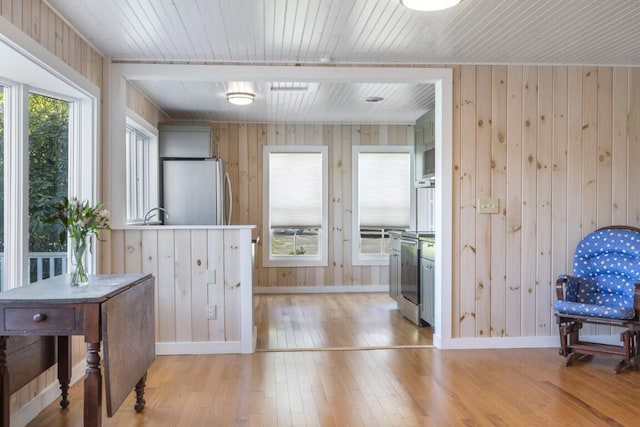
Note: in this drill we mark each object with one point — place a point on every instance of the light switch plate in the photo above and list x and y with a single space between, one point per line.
488 206
211 277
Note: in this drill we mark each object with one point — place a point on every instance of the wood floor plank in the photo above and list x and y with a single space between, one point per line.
375 387
369 386
317 321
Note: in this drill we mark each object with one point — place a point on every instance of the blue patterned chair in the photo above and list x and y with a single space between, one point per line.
604 290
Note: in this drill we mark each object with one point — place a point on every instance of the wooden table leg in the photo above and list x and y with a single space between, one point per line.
64 368
5 414
140 402
93 387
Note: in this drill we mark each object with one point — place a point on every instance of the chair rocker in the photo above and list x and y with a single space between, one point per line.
604 290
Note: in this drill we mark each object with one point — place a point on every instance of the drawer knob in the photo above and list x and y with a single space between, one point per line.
39 317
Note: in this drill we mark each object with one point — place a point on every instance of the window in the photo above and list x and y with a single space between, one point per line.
1 186
48 137
137 164
383 199
48 183
141 168
295 205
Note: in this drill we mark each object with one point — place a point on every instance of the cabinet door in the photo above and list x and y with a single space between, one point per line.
427 282
186 141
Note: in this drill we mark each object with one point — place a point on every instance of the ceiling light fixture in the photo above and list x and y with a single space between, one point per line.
429 5
241 98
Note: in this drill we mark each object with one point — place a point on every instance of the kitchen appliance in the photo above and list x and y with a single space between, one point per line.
193 191
417 277
410 296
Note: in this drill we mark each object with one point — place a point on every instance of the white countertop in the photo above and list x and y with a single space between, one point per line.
185 227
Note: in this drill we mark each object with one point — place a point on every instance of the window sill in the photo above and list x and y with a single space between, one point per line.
295 263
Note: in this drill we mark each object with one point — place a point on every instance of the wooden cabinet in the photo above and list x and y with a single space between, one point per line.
394 266
424 131
187 140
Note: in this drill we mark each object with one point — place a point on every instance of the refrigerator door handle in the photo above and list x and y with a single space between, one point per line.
227 180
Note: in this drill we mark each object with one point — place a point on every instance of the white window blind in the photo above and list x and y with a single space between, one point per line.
295 190
384 190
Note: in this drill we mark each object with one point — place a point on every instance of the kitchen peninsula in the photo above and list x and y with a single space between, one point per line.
204 291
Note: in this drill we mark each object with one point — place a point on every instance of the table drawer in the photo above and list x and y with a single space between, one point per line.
40 319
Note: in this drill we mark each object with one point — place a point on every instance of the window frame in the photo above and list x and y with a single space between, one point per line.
320 260
29 69
358 258
150 187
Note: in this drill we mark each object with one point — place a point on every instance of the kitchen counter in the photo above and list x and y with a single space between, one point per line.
204 298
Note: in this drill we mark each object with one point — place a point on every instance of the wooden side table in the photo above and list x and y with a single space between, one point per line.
115 309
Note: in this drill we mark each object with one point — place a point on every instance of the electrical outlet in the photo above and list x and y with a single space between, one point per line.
488 206
212 312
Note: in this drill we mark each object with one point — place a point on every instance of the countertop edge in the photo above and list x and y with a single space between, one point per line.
184 227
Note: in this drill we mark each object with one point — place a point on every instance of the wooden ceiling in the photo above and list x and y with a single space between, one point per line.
368 32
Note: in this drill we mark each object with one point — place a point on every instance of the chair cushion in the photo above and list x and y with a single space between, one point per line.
594 310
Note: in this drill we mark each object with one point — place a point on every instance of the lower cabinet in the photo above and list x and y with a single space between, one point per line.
427 283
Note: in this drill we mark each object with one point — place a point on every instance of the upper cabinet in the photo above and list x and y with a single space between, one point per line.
187 140
425 147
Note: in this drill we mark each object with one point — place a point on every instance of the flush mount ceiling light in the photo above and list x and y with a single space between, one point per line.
429 5
240 98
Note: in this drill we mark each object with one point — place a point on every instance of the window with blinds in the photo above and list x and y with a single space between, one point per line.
383 199
296 189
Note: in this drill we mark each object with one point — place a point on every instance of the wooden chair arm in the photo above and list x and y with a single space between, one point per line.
560 286
636 301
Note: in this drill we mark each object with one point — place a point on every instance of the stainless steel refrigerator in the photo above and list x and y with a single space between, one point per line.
194 192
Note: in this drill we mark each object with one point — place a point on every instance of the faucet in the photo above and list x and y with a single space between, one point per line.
149 214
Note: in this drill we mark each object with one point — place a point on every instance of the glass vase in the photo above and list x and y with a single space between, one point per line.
79 276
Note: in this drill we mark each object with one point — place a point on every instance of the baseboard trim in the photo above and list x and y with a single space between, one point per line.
519 342
499 343
46 397
181 348
319 289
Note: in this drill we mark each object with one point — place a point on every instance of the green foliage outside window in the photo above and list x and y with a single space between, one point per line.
48 169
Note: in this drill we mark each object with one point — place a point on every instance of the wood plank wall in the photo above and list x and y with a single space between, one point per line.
241 145
43 25
557 146
39 22
141 105
179 260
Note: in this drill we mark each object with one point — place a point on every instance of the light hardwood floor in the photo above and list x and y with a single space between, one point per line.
334 321
374 387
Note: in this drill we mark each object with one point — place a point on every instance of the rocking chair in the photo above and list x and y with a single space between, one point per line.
604 290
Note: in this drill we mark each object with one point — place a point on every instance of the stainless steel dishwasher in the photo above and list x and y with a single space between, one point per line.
410 301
